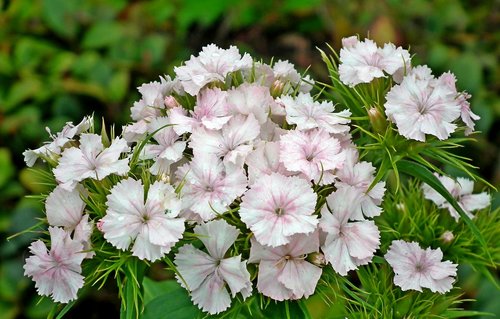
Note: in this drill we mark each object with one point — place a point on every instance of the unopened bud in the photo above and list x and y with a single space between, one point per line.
317 259
378 120
99 225
447 237
277 88
171 102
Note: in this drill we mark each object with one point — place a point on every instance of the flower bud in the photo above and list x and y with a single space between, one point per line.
447 237
171 102
378 120
317 259
277 88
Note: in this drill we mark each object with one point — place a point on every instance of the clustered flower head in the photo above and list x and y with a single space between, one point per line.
241 156
419 104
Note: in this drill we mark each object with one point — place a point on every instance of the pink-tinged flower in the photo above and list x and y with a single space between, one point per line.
65 209
265 160
416 268
209 187
212 65
68 132
287 79
135 132
169 148
360 175
233 142
91 160
362 61
209 275
153 98
284 272
271 132
277 207
311 153
466 114
253 99
151 224
308 114
420 107
210 111
57 273
461 190
348 244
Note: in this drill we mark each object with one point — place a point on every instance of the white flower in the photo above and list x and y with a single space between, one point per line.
360 175
311 153
461 190
422 106
213 64
308 114
57 273
208 275
151 224
277 207
265 160
91 160
347 244
68 132
284 272
233 142
416 268
169 148
210 111
65 209
253 99
209 187
362 61
153 98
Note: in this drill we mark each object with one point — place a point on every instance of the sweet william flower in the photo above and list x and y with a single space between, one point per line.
347 244
265 160
210 111
360 176
151 225
65 209
416 268
209 275
213 64
308 114
277 207
91 160
422 106
57 273
233 142
363 61
461 190
311 153
209 186
68 132
284 272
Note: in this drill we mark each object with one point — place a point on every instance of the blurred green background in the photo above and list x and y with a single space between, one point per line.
63 59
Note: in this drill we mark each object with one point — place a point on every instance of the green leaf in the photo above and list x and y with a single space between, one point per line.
172 301
6 166
102 34
423 174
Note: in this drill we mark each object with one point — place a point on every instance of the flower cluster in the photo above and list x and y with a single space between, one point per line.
419 103
239 155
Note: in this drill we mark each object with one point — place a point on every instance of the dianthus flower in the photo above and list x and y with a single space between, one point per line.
91 160
461 190
277 207
57 273
207 276
151 224
284 272
416 268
